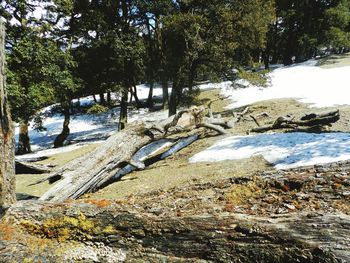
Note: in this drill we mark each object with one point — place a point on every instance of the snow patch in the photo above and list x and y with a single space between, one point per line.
286 150
306 82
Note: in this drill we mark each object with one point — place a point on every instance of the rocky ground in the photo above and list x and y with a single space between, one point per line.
298 215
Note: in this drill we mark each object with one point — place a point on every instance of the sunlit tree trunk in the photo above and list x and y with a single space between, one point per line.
7 144
62 137
23 146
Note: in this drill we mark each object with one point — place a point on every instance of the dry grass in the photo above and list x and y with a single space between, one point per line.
335 61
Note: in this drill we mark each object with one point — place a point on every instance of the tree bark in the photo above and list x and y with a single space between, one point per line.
150 96
7 144
99 166
62 137
23 139
123 119
174 98
165 87
109 98
102 99
286 216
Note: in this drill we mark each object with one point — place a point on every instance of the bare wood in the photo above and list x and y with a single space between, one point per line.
255 120
100 165
311 121
213 127
210 110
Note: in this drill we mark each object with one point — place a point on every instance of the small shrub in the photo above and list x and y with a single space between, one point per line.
97 109
255 78
189 97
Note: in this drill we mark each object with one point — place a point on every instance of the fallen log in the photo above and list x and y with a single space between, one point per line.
153 156
310 121
86 173
119 155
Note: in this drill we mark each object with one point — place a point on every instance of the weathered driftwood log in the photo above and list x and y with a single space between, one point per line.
152 153
30 168
116 156
86 173
311 120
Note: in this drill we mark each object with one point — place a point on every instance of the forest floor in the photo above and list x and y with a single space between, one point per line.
246 210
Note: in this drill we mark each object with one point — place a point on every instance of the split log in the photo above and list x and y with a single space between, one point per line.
311 121
89 171
154 156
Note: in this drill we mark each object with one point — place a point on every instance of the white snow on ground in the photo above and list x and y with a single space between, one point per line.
306 82
284 150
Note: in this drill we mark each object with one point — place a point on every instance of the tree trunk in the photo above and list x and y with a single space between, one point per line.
95 99
165 87
109 98
123 119
174 98
102 99
60 139
23 139
150 95
7 144
133 95
30 168
266 59
137 101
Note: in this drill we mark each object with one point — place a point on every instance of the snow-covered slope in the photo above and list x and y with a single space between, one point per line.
321 87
